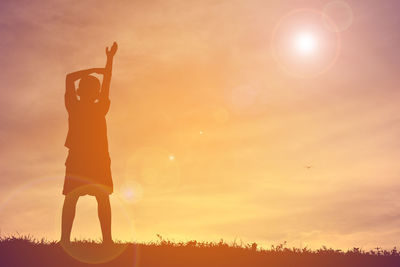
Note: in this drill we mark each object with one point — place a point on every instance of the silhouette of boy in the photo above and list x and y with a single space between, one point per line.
88 163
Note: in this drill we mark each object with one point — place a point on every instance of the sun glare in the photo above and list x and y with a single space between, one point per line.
305 43
303 46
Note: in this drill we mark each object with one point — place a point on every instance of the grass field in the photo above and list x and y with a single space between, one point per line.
25 251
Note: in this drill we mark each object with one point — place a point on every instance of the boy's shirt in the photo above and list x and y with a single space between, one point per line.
87 129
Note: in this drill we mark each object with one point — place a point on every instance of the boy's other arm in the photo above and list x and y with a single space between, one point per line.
74 76
105 89
70 93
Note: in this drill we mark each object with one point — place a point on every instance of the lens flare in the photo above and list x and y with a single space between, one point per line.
94 253
154 168
89 252
302 45
340 13
131 192
305 43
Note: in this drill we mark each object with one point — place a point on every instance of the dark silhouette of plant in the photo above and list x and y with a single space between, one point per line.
24 250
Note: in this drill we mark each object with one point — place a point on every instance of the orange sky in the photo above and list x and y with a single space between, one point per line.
209 131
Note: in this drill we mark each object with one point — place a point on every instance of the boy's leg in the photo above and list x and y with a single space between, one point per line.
68 215
104 212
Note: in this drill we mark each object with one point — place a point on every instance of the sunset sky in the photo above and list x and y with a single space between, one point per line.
255 121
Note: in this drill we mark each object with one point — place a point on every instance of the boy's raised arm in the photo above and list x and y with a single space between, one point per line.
105 90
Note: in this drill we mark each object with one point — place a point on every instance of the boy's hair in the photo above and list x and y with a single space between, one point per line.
89 85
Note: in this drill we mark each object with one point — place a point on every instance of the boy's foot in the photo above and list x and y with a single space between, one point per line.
64 242
108 242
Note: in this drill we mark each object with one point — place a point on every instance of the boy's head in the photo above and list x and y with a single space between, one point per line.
89 88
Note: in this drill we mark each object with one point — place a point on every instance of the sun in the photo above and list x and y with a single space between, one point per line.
305 43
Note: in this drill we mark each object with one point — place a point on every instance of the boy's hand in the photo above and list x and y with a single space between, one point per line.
98 70
111 52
